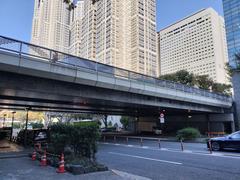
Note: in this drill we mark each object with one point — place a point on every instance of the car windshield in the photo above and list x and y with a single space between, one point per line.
235 135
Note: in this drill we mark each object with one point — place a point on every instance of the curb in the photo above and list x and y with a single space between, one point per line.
13 156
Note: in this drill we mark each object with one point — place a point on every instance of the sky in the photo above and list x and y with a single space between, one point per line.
16 15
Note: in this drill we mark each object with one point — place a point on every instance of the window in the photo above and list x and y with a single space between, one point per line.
236 136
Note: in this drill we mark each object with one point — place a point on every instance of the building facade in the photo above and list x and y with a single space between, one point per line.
232 20
51 26
76 28
197 44
88 34
121 33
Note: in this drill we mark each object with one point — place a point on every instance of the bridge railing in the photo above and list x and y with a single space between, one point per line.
26 49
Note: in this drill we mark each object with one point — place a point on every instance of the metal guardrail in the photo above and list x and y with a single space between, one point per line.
26 49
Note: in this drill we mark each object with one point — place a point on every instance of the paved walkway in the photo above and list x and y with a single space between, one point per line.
22 168
6 147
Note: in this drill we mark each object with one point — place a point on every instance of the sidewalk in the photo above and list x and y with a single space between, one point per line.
22 168
6 146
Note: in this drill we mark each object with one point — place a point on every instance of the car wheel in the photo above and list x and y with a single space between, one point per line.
216 146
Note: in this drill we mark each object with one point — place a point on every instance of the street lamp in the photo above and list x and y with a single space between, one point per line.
12 124
25 133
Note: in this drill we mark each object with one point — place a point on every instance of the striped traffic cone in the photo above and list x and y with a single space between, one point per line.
44 159
34 154
61 168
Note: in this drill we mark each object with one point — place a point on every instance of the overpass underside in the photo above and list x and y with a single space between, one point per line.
19 91
73 84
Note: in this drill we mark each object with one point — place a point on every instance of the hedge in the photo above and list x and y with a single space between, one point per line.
81 138
188 133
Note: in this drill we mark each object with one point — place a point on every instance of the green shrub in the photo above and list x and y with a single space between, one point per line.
37 125
188 133
80 137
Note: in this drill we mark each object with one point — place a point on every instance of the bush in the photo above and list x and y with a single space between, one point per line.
188 133
80 137
125 122
37 125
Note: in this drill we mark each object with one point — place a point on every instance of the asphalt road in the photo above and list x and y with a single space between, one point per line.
170 163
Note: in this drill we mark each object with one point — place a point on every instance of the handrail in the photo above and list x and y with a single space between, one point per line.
55 56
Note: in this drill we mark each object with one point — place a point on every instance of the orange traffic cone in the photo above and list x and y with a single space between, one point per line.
44 159
34 155
61 168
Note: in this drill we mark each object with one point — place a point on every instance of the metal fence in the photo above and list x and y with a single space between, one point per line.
26 49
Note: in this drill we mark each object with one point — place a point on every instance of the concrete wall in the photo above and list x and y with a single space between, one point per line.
203 122
236 89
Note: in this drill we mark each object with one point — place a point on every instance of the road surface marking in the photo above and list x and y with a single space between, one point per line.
126 175
141 157
179 151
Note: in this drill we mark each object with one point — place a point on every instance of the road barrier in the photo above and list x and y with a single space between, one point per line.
210 146
182 148
141 140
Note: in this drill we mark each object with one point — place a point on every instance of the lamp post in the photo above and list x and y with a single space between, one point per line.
25 133
12 124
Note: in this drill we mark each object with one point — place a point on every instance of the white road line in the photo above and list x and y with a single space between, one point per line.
179 151
141 157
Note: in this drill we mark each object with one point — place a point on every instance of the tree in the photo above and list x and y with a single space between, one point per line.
204 82
184 77
105 121
169 77
125 121
110 124
222 88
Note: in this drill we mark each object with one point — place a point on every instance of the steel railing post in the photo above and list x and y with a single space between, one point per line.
182 145
159 144
210 146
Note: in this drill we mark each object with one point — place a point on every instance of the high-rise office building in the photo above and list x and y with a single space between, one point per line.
114 32
197 44
232 21
88 34
76 28
121 34
51 25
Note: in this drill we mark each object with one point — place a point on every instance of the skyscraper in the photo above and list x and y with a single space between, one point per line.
232 21
76 28
118 33
121 33
51 25
88 34
197 44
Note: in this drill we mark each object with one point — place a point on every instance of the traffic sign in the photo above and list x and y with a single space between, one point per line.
161 115
162 120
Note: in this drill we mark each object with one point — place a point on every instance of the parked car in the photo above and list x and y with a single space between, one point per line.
231 141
